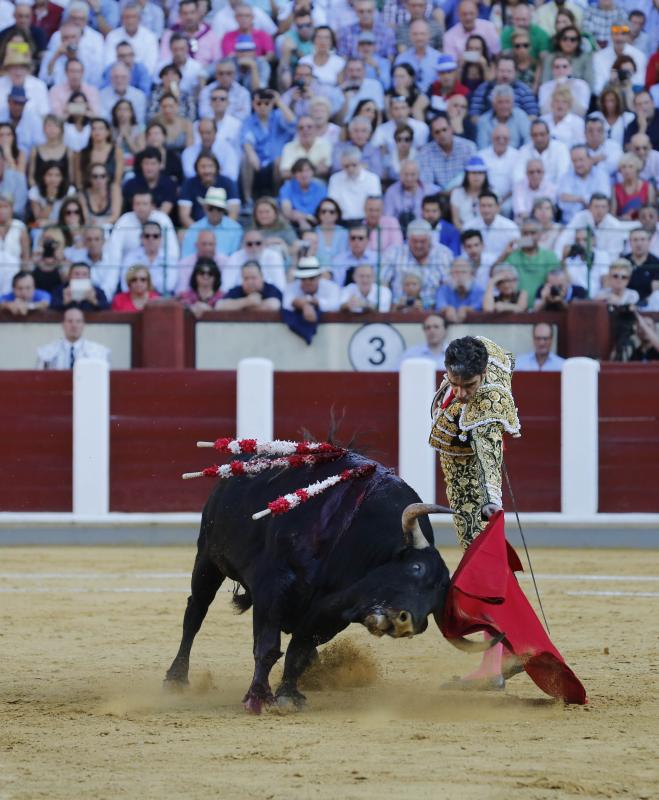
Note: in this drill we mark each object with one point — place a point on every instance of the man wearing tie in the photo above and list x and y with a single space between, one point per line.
63 353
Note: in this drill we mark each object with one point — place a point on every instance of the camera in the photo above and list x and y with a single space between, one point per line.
304 248
577 250
555 291
49 248
299 85
624 75
72 48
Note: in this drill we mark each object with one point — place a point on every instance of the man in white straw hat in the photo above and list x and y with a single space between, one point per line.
228 232
310 294
17 65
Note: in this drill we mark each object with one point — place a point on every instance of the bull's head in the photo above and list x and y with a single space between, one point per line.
413 586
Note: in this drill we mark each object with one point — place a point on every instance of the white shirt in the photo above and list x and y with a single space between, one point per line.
384 133
570 130
495 236
604 59
352 290
191 71
578 271
528 362
351 194
423 351
328 295
270 261
579 88
610 234
556 158
125 236
612 154
35 89
327 73
240 102
226 149
652 302
57 355
524 196
90 53
135 97
144 43
500 169
164 271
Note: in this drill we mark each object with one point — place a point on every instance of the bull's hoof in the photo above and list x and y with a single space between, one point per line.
511 666
175 683
495 684
289 703
254 702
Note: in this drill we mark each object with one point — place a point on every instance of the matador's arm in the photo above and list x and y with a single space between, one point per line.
487 442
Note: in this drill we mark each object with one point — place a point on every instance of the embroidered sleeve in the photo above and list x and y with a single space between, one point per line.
487 445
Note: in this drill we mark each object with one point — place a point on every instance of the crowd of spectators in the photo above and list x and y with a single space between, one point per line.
329 155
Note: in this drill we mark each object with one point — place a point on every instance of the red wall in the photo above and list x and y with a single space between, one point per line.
36 409
156 418
629 437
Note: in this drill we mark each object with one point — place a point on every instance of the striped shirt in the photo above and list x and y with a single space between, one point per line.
441 168
400 261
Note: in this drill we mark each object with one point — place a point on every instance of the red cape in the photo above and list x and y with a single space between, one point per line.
484 595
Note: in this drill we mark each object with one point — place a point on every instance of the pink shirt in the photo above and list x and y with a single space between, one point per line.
390 235
58 97
262 40
123 301
205 46
456 37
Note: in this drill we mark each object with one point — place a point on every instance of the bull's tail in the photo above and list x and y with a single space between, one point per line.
242 601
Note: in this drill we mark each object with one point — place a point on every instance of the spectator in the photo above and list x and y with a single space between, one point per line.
503 112
23 29
255 248
585 262
561 72
413 10
604 59
51 150
645 275
498 232
25 121
228 232
631 193
223 142
156 136
293 44
646 340
460 295
100 199
101 149
399 113
541 359
14 158
300 196
410 298
301 96
140 290
125 235
320 111
377 67
63 353
531 262
50 265
332 236
47 196
501 161
352 185
79 291
207 176
14 243
641 147
456 37
602 151
404 198
24 297
150 178
357 87
143 40
364 294
432 210
368 20
570 43
245 20
73 41
562 123
402 85
610 232
179 132
204 289
46 16
447 84
434 330
325 63
60 94
306 144
443 160
616 118
307 298
152 254
264 134
140 77
527 191
383 231
95 253
579 183
504 74
120 89
239 103
557 292
465 198
617 291
204 43
14 185
77 129
554 154
252 294
421 256
359 134
503 293
648 218
474 251
357 252
521 15
420 55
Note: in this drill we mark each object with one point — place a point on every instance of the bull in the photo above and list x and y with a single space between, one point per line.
362 553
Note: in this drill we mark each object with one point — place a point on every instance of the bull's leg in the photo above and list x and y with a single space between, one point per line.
299 655
206 580
267 650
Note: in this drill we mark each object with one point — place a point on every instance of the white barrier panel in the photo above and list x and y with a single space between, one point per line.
254 399
91 437
579 437
416 459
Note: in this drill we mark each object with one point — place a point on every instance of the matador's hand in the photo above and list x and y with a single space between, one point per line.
490 510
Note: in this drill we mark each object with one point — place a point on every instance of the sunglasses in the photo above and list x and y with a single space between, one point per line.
204 272
524 45
254 243
403 138
219 97
327 211
70 211
620 275
569 38
99 175
619 29
357 237
151 235
264 102
140 279
225 72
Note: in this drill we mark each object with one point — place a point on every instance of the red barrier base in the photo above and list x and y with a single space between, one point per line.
485 596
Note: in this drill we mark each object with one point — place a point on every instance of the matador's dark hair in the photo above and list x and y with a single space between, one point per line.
466 357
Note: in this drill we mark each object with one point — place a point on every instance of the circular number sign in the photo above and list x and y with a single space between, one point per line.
376 347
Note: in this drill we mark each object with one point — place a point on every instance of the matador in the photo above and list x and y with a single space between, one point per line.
470 413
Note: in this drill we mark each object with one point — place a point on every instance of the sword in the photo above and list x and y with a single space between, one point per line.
526 549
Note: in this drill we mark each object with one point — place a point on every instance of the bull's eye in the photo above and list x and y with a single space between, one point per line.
417 568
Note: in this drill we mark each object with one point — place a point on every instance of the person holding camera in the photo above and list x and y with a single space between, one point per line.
79 291
557 292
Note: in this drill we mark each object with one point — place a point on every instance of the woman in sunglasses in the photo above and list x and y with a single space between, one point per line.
140 290
204 290
568 43
402 150
100 198
332 236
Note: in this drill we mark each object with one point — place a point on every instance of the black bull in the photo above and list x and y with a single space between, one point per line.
343 557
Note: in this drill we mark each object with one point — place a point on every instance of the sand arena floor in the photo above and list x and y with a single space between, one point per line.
86 635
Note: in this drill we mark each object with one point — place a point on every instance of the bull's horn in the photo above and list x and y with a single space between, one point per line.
467 646
411 527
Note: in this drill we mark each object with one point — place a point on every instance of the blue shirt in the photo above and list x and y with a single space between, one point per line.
38 297
425 68
228 236
193 188
529 363
304 201
268 141
139 77
423 351
447 296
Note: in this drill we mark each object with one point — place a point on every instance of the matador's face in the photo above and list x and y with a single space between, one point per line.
465 387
